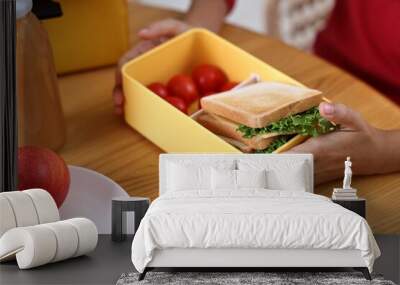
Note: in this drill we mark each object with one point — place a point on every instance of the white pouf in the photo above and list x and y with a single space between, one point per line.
31 233
33 246
23 208
45 205
87 233
67 239
7 218
37 245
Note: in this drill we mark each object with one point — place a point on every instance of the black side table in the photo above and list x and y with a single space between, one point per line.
358 206
120 206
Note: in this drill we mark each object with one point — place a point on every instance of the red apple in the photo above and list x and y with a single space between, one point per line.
42 168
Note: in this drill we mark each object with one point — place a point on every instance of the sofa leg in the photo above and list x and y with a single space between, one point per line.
364 271
142 275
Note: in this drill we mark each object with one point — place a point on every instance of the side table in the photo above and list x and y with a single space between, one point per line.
358 206
120 207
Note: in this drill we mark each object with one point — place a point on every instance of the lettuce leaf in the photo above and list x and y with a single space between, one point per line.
309 123
275 144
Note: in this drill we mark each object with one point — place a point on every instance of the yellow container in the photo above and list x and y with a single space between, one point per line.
163 124
90 33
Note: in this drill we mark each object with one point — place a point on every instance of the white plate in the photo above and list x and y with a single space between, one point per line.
90 194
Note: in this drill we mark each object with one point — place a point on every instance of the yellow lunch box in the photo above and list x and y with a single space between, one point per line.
162 123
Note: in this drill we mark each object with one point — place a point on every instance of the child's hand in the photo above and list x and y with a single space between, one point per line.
372 151
151 36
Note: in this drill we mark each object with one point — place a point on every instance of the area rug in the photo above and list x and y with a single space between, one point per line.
244 278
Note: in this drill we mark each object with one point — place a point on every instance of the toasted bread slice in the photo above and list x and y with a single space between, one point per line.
226 128
262 103
241 146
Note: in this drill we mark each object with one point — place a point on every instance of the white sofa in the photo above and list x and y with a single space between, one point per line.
31 231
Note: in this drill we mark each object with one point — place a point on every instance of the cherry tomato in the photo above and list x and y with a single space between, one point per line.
183 86
177 102
208 78
208 94
228 86
158 88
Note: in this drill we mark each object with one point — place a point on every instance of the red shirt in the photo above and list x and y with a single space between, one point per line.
363 37
229 5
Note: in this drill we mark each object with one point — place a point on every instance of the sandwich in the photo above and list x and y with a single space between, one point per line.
264 116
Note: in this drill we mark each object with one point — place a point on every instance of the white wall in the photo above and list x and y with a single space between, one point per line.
247 14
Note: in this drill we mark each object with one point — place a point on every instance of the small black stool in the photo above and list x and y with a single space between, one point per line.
121 205
356 205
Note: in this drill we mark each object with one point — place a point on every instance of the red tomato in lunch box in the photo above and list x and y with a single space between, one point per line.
177 102
183 86
158 88
228 86
208 78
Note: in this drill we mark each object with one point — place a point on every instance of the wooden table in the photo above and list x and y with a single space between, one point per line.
100 140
